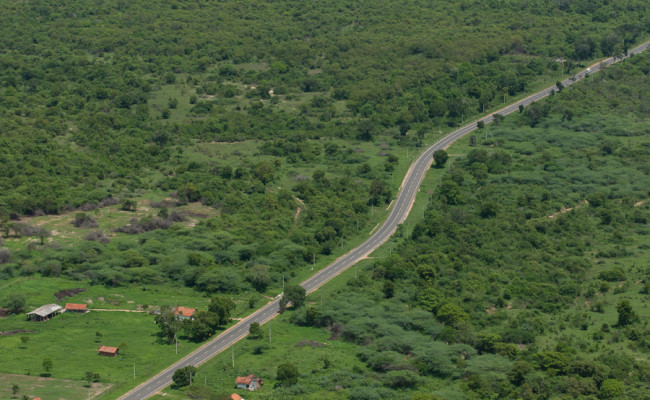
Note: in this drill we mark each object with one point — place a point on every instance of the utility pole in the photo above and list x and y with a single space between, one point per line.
232 349
205 381
314 254
190 378
321 298
269 332
176 339
133 371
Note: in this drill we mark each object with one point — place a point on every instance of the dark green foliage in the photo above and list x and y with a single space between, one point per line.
91 377
401 379
389 289
626 314
287 374
166 320
183 376
611 389
440 157
129 205
612 275
255 331
15 303
221 306
294 294
203 325
48 364
451 314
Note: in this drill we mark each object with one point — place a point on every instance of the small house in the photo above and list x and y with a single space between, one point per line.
235 396
80 308
250 382
108 351
43 313
183 313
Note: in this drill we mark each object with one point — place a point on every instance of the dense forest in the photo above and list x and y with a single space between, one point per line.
103 103
96 96
224 148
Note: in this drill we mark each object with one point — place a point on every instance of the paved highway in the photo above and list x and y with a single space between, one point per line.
397 215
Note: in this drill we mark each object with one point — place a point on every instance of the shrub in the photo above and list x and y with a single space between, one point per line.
5 256
182 376
83 220
97 236
612 275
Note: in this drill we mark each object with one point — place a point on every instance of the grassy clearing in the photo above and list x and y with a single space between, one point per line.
49 388
41 291
307 348
108 218
70 340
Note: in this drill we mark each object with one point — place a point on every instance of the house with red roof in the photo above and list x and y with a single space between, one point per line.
250 382
81 308
183 313
235 396
108 351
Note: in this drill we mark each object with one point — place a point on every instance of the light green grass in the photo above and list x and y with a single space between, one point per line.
49 388
70 341
219 373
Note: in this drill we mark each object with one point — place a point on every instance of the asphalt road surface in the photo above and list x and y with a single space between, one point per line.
397 215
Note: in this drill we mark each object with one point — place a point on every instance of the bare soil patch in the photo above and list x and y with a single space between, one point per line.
15 332
61 294
336 331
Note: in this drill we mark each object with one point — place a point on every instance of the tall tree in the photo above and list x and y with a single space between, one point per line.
15 303
440 157
287 374
168 323
221 306
626 315
295 294
47 365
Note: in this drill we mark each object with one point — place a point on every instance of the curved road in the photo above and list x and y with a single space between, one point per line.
397 215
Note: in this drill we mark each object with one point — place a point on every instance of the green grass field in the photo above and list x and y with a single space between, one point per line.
49 388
